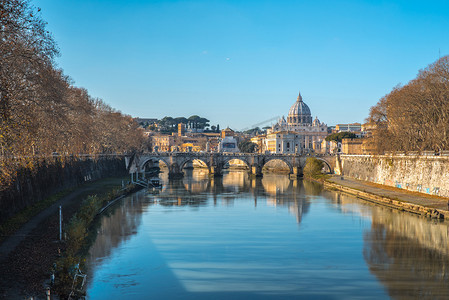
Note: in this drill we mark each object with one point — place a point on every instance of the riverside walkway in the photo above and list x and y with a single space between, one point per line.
406 198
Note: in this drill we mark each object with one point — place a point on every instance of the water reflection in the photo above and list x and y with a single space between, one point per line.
116 226
232 237
281 191
195 188
409 254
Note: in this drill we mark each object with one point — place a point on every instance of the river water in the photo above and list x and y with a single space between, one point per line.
271 238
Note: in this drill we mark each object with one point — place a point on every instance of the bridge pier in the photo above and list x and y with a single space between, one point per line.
175 172
215 162
297 172
215 171
256 171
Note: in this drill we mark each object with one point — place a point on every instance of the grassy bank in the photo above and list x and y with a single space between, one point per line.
79 238
12 224
19 272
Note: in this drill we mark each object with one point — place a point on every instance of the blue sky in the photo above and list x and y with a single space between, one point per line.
239 63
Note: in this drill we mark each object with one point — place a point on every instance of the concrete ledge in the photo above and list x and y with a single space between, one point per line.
392 203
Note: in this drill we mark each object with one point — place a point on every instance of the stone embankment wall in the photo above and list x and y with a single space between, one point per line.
46 177
425 174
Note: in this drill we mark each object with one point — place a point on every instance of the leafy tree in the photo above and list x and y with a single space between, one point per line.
247 146
193 121
338 137
182 120
313 167
203 123
253 131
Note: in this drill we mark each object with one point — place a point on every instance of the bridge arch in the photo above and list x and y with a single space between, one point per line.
242 159
326 163
153 159
175 161
191 159
268 159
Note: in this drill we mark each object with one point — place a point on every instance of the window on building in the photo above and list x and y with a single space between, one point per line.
288 145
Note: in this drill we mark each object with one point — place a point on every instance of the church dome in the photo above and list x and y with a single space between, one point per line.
299 113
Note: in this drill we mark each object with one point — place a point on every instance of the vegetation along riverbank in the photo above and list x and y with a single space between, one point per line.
28 264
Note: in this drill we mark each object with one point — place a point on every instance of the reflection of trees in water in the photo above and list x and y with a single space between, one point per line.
119 224
312 188
409 255
405 267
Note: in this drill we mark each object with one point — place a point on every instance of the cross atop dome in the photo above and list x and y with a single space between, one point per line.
299 99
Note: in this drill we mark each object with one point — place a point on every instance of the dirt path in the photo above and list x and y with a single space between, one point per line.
27 256
13 241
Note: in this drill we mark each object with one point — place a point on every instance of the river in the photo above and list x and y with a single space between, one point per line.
271 238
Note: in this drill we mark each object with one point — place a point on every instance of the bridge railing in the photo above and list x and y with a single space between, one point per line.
223 153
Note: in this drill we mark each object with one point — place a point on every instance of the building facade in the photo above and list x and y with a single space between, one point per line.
283 142
228 144
353 127
163 142
299 129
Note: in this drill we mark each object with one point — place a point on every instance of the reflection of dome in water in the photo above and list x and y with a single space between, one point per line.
299 113
286 193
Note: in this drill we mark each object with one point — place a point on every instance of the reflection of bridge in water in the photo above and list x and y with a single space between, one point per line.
215 162
198 190
197 187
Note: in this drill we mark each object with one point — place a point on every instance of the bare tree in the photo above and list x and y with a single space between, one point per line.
415 117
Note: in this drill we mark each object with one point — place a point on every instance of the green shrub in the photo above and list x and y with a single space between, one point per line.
89 208
76 232
313 168
65 271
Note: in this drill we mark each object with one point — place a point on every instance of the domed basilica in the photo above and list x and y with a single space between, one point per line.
298 133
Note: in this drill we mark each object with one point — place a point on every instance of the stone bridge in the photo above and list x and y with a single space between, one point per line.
215 162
